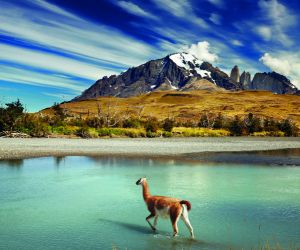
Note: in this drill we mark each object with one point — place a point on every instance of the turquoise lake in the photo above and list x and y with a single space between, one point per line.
93 203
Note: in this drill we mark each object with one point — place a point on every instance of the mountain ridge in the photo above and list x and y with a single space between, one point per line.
175 71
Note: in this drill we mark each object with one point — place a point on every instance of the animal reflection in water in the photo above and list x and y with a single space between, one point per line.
166 207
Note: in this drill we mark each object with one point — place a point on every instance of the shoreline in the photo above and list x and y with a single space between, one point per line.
252 150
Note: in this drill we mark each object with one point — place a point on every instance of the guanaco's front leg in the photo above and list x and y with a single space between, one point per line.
148 218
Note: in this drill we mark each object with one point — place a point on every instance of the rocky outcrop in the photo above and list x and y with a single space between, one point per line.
235 74
201 84
220 78
12 134
273 82
245 80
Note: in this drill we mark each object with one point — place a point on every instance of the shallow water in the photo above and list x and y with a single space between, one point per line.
93 203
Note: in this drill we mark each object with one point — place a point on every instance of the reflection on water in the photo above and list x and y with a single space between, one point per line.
14 163
281 157
59 160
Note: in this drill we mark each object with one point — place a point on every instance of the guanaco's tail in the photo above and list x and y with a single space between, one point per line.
187 203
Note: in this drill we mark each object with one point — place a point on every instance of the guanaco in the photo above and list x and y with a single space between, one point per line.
165 207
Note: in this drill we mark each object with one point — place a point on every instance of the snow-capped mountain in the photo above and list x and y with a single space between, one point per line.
180 71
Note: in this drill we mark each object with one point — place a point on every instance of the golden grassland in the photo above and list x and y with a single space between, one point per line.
189 105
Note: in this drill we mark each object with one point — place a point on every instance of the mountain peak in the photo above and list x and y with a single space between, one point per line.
177 70
190 63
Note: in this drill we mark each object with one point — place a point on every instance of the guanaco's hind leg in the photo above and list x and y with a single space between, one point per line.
174 216
148 218
185 218
155 221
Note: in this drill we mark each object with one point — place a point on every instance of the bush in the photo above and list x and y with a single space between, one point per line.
63 130
253 124
10 114
130 132
150 134
289 128
167 134
152 125
236 127
83 132
199 132
131 123
94 122
219 122
168 125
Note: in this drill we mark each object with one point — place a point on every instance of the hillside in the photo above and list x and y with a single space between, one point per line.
185 106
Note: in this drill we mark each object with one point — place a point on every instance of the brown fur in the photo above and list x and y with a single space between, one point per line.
155 203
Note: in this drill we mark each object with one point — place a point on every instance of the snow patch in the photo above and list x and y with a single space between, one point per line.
190 63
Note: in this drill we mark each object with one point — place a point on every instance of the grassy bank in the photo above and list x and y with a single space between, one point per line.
109 122
86 132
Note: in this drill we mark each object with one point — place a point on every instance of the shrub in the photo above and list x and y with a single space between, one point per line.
94 122
289 128
10 114
199 132
236 127
168 125
83 132
219 122
253 124
131 123
150 134
167 134
152 125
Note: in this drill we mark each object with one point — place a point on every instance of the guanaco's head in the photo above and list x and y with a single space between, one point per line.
141 181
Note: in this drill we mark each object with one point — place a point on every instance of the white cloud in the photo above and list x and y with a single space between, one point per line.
264 31
236 42
285 63
217 3
135 9
215 18
182 9
277 19
55 63
74 36
24 76
201 51
87 50
279 65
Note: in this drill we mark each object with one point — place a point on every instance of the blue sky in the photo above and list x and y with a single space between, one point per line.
52 50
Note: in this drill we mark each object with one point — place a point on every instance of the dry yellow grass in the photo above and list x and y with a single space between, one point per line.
189 105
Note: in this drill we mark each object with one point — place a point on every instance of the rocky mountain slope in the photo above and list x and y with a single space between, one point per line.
183 72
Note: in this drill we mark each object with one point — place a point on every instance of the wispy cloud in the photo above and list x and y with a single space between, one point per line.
236 42
182 9
215 18
274 23
134 9
217 3
23 76
64 43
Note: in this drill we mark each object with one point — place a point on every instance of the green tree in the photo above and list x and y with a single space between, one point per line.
10 114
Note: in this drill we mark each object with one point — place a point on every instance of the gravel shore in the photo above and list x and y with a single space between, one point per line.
161 147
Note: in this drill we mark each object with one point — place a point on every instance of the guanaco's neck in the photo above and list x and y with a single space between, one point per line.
146 191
